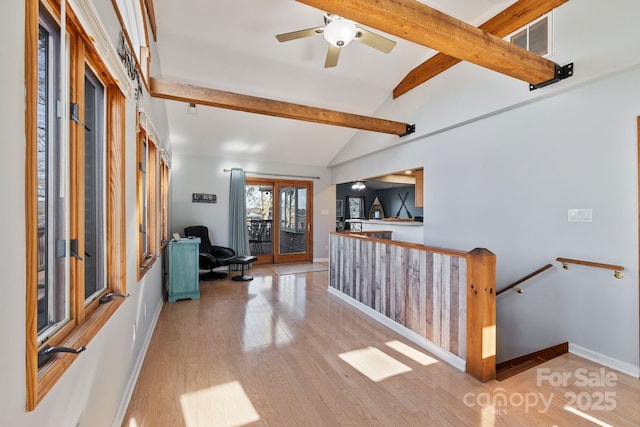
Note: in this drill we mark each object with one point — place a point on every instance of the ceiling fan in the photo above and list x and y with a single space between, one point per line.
339 32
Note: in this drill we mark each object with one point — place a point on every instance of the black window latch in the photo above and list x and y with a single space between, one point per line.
108 297
47 353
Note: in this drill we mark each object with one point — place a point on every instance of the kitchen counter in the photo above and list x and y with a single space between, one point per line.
403 231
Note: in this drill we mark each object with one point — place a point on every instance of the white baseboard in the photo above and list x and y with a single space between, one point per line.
412 336
126 396
610 362
321 260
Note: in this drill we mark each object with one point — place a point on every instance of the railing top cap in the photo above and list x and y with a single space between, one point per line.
434 249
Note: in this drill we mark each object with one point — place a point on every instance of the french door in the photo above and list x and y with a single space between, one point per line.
279 220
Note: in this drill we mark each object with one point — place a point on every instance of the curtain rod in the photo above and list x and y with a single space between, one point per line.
275 174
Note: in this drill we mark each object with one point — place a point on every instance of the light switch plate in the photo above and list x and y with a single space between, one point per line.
580 215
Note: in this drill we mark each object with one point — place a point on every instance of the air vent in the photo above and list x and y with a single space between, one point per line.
536 37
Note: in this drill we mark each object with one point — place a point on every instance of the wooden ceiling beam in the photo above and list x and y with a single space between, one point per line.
251 104
506 22
421 24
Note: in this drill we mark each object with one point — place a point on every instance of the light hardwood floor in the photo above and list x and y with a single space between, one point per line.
281 351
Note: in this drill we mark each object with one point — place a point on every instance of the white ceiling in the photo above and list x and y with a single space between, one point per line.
230 45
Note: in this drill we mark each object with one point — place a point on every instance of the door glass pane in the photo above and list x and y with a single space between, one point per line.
51 192
260 218
94 230
293 220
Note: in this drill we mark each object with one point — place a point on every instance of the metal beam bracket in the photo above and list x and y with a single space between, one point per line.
410 129
562 72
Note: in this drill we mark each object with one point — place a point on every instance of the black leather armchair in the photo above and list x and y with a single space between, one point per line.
211 256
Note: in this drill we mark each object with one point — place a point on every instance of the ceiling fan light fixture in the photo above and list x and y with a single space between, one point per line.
339 32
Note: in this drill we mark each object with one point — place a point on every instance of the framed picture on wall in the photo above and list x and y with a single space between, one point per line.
339 209
355 204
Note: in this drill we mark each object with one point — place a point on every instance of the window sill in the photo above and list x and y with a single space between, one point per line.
146 265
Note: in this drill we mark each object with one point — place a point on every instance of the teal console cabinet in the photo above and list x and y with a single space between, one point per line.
183 269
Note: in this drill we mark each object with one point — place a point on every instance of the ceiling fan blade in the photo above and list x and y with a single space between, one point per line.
332 56
374 40
299 34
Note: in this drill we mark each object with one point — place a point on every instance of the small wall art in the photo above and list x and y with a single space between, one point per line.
203 198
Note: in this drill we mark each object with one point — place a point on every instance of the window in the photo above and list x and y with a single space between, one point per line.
164 202
143 201
53 307
94 205
132 19
147 191
75 222
536 37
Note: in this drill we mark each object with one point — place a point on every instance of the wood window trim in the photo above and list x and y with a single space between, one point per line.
147 258
153 185
142 58
85 322
164 203
276 185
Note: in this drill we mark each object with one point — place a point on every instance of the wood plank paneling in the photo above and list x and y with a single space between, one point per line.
417 288
454 300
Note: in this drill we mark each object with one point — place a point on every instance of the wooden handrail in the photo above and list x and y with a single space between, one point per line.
618 269
438 250
525 278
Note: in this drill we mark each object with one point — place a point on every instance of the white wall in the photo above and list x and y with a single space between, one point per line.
503 178
91 391
191 174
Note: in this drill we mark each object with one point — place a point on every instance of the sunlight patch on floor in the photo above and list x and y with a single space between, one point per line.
221 405
374 364
488 416
412 353
587 417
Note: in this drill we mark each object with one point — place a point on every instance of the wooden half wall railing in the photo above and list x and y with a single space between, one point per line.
446 297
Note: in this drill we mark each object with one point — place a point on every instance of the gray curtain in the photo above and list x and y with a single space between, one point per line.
238 236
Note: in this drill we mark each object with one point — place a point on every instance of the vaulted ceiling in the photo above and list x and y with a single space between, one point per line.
230 46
